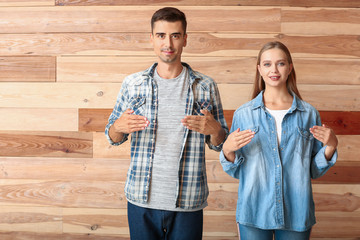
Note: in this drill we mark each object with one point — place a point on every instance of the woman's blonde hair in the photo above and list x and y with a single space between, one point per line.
259 83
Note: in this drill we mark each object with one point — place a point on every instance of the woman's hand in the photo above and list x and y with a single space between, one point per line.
327 136
235 141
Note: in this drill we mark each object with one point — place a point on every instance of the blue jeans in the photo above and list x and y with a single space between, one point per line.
253 233
152 224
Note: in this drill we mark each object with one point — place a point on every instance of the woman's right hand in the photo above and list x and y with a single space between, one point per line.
235 141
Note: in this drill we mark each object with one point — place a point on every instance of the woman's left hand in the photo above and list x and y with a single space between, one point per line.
327 136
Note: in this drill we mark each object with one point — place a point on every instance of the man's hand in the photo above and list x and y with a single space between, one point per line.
127 123
206 125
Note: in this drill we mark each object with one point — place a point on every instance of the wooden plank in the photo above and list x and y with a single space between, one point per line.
27 69
95 221
30 218
93 120
343 123
219 224
325 98
59 193
22 3
335 224
341 173
222 69
136 19
348 147
320 21
327 71
292 3
23 235
45 168
115 69
103 149
38 119
46 144
199 44
58 95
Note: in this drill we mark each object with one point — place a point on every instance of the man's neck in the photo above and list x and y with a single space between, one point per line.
169 71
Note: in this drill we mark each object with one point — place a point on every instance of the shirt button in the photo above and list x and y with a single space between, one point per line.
274 149
277 165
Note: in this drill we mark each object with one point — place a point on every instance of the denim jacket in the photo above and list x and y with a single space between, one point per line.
275 179
139 92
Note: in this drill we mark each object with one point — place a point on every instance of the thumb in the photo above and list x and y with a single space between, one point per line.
129 111
205 112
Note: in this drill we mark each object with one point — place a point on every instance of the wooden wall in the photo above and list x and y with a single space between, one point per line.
61 66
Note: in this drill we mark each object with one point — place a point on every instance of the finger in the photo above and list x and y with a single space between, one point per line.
205 112
129 111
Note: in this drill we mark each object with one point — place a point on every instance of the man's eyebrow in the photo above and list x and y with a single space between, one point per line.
174 33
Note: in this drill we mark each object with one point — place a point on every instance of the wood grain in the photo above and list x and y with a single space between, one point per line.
230 70
97 95
67 169
27 69
61 193
58 95
28 218
199 44
320 21
28 235
343 123
38 119
46 144
136 19
292 3
22 3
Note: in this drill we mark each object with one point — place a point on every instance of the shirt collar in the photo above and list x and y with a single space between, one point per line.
149 73
296 104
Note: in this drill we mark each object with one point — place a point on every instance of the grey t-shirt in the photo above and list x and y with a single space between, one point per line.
172 94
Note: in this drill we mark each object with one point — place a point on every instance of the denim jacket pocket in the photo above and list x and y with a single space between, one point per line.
138 105
304 142
202 105
254 147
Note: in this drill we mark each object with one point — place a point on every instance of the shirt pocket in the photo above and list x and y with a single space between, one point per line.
304 142
253 148
138 105
202 105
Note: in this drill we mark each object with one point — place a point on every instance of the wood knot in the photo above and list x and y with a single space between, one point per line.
94 227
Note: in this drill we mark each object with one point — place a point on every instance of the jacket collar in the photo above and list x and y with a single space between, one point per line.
297 104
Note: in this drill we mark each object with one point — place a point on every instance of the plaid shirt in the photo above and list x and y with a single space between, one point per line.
139 93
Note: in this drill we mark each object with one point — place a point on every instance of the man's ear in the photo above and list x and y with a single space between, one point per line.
185 39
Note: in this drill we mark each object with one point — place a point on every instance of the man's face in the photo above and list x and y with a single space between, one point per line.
168 40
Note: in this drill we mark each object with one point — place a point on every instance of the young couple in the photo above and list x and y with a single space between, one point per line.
276 144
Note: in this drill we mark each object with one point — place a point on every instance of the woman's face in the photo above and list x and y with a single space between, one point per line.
274 67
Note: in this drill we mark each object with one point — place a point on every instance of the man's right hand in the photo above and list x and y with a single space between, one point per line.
129 123
126 124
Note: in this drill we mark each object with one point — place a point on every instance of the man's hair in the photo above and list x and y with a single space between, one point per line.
169 14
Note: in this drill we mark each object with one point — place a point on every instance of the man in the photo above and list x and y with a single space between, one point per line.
170 111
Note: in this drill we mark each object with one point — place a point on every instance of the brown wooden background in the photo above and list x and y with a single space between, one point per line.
61 66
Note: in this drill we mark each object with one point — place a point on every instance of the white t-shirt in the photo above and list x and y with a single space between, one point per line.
278 116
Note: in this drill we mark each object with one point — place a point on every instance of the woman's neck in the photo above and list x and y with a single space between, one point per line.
276 99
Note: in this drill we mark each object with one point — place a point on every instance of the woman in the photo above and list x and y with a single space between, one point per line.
277 144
